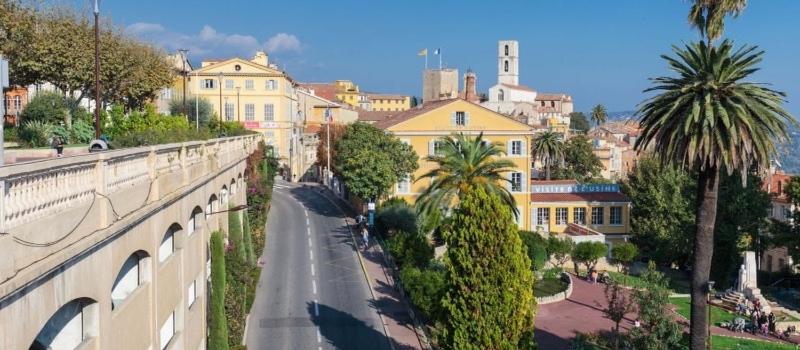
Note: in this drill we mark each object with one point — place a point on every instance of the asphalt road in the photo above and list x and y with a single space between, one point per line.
312 293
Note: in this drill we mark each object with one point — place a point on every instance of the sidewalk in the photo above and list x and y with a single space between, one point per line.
391 306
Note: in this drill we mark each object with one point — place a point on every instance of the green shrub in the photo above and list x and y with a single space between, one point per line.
36 133
409 249
248 240
50 107
398 216
62 133
552 273
536 248
82 132
425 289
235 236
218 325
10 134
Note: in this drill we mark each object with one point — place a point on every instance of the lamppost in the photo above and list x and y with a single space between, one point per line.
226 110
708 312
183 73
220 76
238 89
96 69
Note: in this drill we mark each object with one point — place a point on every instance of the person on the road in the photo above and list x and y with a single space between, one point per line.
365 237
58 145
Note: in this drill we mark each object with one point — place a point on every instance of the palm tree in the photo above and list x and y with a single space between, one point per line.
599 114
463 162
548 149
707 119
708 16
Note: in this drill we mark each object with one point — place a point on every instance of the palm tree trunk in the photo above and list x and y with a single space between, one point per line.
547 171
707 189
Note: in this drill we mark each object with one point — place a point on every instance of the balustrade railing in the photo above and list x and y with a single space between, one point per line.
39 189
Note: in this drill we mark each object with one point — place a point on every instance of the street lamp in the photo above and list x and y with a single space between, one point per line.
236 208
220 76
183 73
96 69
238 118
226 110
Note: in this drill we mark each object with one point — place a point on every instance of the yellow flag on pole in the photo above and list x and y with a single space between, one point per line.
423 52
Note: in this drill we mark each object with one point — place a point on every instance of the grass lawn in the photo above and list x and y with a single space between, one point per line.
677 282
718 315
728 343
548 286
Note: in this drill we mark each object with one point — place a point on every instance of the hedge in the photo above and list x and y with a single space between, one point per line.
218 325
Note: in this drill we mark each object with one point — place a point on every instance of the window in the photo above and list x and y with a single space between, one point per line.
461 118
17 102
130 276
615 216
70 327
208 83
269 112
249 84
228 84
597 216
272 85
192 293
269 134
404 186
553 104
579 216
506 50
193 225
167 246
516 148
249 111
501 95
167 331
543 216
228 111
506 66
516 182
436 148
561 216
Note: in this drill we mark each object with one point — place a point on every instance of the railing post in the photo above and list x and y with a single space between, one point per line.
153 171
2 205
184 169
103 202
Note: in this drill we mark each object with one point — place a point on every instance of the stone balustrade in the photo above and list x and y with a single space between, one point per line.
49 208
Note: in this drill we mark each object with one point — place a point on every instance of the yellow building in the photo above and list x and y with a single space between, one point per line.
385 102
423 126
254 93
347 92
565 206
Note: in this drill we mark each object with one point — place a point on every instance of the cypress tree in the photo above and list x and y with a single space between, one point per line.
489 300
218 324
235 236
248 241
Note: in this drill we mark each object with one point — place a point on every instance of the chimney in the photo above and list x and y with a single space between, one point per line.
470 91
261 58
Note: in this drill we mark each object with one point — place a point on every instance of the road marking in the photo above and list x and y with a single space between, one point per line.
312 269
306 211
309 242
308 231
311 252
316 307
319 336
314 286
308 223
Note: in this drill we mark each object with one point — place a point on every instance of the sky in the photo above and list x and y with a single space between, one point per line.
596 51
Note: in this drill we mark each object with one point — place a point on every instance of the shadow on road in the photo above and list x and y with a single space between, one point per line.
547 340
342 330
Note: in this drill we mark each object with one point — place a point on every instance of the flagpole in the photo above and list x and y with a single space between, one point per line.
426 60
440 59
328 146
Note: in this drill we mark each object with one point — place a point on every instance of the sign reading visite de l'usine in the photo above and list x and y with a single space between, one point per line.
575 188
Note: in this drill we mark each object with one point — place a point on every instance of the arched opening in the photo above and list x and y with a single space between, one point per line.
72 325
233 186
194 221
167 246
211 206
501 95
506 50
133 273
223 196
506 66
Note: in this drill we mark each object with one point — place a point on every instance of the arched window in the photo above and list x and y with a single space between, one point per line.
223 196
72 325
134 272
501 95
167 246
194 221
233 186
211 206
506 50
506 66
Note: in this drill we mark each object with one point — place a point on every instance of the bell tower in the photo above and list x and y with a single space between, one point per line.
508 62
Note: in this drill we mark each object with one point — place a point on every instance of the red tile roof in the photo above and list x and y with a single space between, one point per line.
580 197
554 182
324 90
374 116
411 113
552 97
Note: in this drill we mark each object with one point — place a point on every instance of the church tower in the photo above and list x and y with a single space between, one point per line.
508 62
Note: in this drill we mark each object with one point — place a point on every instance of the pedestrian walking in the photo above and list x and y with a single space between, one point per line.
58 145
365 238
771 320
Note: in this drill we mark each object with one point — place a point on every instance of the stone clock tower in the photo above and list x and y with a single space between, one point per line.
508 62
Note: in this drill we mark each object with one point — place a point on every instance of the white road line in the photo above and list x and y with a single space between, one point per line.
309 242
312 269
306 211
308 231
316 307
308 223
314 286
319 336
311 255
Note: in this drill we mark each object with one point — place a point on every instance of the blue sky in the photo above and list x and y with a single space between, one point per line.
598 51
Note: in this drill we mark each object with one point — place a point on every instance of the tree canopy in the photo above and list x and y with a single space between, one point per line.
579 122
548 148
580 163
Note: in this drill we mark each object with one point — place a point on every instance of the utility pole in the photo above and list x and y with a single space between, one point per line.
197 102
238 118
328 145
219 77
183 73
97 102
3 84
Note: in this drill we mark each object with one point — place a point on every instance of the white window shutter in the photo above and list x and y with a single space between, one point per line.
431 147
524 147
453 119
466 118
524 180
508 148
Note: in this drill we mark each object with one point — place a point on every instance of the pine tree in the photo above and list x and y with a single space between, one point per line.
218 325
489 300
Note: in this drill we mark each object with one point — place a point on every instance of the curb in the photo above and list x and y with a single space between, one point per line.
363 268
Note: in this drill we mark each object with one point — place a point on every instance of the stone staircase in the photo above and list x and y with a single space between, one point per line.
731 298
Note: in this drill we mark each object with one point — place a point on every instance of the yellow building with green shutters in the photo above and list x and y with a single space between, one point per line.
423 126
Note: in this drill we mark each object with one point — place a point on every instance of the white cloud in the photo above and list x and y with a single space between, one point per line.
283 42
210 42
